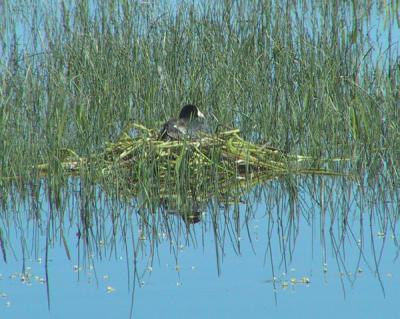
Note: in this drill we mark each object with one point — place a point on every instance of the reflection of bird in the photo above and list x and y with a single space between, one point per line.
192 217
191 211
188 124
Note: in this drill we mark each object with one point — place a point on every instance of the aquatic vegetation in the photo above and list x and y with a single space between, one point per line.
314 84
292 91
187 163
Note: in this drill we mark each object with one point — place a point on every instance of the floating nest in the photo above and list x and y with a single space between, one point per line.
224 153
182 176
227 152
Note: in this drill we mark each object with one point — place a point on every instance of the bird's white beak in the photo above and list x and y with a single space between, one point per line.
199 114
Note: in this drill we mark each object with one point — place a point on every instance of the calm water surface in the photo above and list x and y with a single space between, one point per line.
315 247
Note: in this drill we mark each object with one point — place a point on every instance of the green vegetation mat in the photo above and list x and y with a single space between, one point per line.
225 153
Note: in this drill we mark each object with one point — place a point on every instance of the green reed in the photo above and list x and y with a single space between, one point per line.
302 76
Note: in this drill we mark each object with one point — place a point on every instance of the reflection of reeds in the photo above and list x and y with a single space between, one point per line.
91 224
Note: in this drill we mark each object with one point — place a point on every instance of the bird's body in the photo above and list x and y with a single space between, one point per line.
186 126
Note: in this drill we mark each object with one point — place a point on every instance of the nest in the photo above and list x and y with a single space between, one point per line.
182 176
225 153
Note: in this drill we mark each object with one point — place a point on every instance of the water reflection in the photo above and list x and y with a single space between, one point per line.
321 226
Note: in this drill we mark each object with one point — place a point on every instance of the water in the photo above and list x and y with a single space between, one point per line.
331 250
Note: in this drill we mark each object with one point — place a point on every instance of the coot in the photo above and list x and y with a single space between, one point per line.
187 125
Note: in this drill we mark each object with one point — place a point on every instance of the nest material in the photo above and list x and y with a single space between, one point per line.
225 152
183 176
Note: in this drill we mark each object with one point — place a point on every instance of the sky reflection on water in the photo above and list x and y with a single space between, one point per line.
319 268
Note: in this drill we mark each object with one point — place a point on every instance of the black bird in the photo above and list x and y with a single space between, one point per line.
187 125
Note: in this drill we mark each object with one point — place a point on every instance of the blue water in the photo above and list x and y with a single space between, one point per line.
317 274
